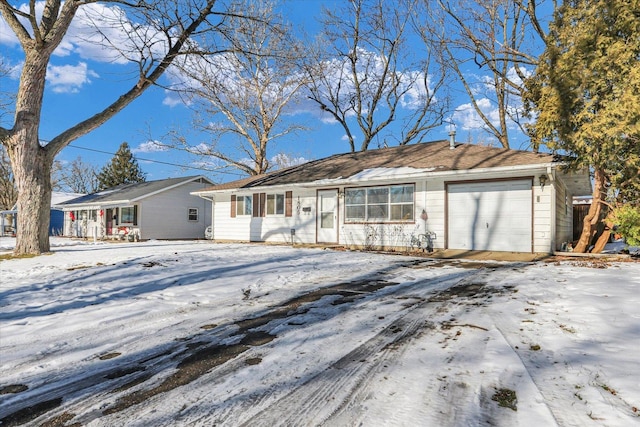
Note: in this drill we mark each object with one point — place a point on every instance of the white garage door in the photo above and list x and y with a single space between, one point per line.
491 216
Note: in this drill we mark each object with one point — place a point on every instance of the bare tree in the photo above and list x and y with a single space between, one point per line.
365 72
491 46
77 176
158 32
240 97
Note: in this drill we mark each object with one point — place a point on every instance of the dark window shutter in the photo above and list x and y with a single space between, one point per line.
117 221
263 200
256 205
288 203
233 206
135 214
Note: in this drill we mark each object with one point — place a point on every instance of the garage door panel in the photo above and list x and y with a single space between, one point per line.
490 216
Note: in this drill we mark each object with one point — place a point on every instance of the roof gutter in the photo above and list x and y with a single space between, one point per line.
111 204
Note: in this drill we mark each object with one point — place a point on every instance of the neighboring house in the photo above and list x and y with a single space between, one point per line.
8 219
163 209
471 197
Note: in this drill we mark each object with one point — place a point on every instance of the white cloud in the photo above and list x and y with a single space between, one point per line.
69 78
7 37
150 147
466 117
171 100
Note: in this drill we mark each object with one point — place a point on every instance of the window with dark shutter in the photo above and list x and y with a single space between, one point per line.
256 204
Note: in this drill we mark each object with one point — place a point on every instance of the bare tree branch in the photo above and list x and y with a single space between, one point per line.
365 71
240 96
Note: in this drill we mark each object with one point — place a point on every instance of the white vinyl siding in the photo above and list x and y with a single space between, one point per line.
564 215
270 228
162 215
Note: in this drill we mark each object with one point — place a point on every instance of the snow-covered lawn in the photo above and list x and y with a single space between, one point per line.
195 333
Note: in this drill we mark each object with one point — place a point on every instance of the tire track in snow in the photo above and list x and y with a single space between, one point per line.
344 383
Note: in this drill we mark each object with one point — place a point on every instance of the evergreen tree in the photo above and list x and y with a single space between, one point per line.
585 97
123 169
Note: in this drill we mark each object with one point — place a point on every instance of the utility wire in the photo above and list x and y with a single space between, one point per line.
149 160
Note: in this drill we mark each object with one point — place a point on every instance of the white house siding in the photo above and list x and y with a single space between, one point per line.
275 229
225 227
165 215
564 215
430 195
543 232
435 202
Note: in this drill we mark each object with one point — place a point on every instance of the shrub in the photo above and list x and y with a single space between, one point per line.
627 219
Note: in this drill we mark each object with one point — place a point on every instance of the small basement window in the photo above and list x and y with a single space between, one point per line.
192 214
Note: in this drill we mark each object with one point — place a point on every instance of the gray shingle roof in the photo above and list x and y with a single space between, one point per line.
436 156
130 192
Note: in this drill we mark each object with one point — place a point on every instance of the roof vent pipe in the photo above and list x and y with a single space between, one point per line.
452 139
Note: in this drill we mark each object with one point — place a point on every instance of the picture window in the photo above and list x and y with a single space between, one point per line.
380 204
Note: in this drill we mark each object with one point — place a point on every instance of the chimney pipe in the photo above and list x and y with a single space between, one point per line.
452 139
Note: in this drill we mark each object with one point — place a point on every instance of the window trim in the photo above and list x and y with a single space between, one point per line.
121 220
274 197
246 201
197 215
389 204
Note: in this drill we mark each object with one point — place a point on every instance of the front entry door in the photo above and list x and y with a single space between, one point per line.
327 221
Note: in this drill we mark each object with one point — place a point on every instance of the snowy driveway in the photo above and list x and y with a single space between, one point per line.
184 333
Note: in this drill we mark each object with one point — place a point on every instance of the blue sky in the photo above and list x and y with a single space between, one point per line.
82 80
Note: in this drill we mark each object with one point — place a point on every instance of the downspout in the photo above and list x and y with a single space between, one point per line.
554 226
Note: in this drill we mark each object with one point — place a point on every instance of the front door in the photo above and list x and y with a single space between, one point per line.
327 221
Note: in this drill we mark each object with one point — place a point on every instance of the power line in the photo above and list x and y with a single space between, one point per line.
145 160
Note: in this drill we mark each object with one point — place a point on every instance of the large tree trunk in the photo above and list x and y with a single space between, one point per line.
603 239
30 161
33 179
590 225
